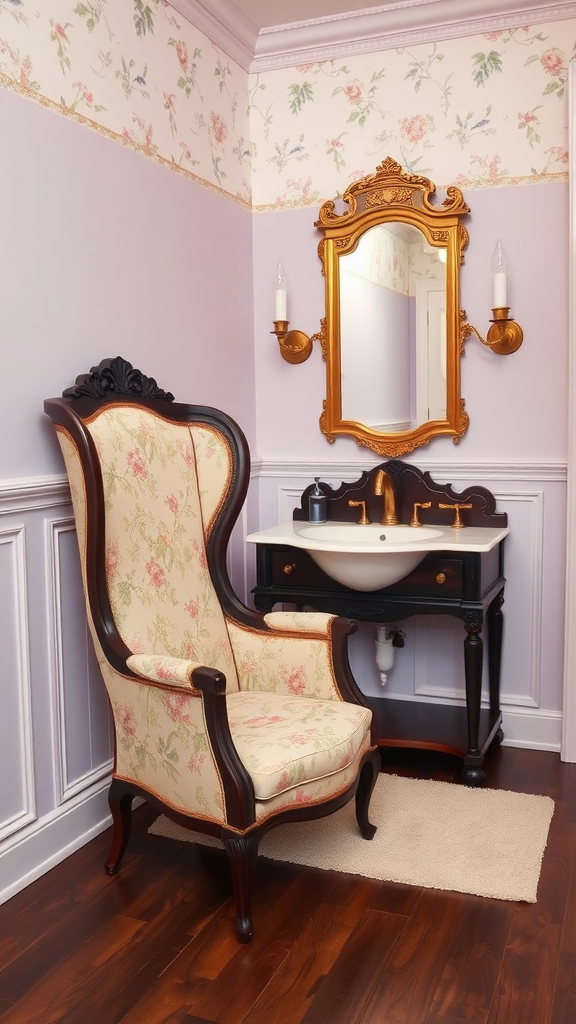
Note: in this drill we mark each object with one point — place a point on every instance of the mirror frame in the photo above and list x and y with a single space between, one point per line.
380 198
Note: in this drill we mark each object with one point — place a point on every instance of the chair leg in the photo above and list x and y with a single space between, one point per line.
120 801
242 852
366 783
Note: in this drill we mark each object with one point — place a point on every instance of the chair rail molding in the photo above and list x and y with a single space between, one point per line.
517 470
29 493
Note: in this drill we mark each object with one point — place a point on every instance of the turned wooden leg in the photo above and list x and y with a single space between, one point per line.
473 774
495 632
243 853
120 801
366 783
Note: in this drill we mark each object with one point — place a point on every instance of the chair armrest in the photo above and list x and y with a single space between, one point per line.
159 668
208 685
302 653
300 622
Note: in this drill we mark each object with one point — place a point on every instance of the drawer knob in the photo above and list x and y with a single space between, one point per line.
441 578
288 569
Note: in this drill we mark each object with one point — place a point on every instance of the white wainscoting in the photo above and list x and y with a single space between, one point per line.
430 666
55 736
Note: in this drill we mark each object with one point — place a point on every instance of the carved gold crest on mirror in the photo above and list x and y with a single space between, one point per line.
393 325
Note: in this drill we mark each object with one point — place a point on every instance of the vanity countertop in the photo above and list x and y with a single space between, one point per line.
368 539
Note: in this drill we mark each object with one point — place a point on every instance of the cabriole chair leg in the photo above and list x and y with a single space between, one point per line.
366 783
120 801
242 852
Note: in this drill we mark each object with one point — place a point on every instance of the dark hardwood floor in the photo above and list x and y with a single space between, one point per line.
156 943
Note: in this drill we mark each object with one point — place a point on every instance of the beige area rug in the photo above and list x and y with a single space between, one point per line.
439 835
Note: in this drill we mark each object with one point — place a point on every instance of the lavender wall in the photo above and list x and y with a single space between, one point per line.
106 253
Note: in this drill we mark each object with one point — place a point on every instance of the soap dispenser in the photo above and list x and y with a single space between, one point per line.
317 504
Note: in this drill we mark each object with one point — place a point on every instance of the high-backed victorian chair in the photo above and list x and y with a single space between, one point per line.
229 721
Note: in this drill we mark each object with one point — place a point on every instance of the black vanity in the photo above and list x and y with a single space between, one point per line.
456 581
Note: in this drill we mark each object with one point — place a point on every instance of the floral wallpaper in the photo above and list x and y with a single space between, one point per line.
140 73
483 111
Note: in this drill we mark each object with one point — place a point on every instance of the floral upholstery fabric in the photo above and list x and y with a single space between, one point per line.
286 742
162 744
213 470
300 622
161 594
281 662
161 739
316 792
161 669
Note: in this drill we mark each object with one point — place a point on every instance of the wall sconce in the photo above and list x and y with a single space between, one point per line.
505 335
295 346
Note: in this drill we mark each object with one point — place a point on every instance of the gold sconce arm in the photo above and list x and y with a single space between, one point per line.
295 346
504 336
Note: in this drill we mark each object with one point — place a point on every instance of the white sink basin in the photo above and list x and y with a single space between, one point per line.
372 557
365 557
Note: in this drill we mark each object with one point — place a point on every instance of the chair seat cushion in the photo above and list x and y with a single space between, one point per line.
286 741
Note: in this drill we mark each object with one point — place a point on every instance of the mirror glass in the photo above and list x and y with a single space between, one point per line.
393 329
392 333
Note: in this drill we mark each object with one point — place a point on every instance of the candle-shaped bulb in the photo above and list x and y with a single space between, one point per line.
499 271
279 293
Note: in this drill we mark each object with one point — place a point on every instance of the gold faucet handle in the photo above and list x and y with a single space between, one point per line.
457 524
415 521
364 520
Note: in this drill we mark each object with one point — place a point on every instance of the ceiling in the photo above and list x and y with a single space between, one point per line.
261 35
267 13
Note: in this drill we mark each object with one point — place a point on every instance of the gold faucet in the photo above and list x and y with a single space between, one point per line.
364 520
415 521
383 486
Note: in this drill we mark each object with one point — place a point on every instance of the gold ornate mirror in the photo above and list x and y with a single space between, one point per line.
393 325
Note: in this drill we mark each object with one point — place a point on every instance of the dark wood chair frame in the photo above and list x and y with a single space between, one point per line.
115 381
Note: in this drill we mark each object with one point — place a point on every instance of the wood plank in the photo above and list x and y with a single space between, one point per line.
294 985
64 990
396 898
345 990
409 975
564 1004
162 884
432 1019
525 986
469 978
229 1002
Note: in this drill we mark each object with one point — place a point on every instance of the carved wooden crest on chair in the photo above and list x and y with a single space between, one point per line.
227 720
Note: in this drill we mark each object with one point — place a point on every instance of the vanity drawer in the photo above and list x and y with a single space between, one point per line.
291 567
434 577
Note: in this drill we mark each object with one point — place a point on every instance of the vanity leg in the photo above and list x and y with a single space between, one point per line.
473 774
495 631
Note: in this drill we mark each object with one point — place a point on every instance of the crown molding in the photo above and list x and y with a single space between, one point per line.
397 24
403 23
